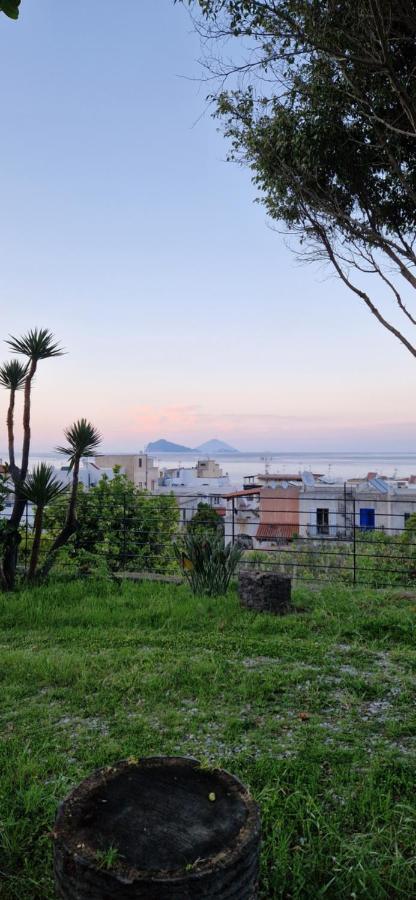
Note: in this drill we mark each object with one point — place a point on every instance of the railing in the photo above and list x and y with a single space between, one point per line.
358 538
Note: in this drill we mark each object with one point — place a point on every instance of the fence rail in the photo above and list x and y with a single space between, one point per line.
355 538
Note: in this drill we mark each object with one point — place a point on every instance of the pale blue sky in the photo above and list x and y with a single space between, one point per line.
125 231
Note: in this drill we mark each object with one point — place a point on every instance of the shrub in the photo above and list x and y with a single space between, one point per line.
207 564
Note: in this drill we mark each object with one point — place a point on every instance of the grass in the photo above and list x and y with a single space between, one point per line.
314 711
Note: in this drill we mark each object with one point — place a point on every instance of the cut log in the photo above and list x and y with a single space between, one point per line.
158 829
265 592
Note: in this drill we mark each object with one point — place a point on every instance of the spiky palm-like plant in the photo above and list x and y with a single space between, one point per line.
37 344
40 488
12 377
82 440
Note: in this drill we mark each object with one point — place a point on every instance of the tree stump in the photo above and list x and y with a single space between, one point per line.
265 592
158 829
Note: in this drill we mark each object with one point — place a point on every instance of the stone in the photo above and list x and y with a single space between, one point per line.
265 592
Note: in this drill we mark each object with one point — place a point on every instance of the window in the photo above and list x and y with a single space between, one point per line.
322 521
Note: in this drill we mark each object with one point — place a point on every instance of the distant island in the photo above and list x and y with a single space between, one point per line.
214 446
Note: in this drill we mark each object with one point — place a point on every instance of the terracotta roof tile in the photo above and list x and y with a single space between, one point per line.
271 532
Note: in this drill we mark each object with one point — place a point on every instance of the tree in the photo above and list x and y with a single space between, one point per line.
38 344
320 102
83 440
118 524
12 377
206 519
40 488
10 8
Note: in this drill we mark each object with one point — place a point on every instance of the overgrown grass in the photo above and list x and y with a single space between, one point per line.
314 711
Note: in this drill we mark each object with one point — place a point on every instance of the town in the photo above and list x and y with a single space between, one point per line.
265 510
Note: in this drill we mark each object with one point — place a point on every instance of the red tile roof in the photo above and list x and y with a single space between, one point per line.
271 532
248 493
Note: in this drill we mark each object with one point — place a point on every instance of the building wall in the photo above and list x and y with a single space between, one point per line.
279 506
208 468
139 468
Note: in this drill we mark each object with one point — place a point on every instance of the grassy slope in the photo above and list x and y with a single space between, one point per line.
91 674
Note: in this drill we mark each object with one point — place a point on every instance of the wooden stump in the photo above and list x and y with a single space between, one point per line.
157 829
265 592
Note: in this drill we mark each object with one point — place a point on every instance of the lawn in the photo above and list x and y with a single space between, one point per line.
314 711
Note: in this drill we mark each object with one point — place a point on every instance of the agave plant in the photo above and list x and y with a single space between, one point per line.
12 377
36 345
207 564
40 488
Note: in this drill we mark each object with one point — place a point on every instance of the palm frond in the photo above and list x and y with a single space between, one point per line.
42 486
83 439
38 343
13 374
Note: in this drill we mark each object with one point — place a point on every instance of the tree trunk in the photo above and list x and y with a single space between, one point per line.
70 522
34 556
12 539
14 470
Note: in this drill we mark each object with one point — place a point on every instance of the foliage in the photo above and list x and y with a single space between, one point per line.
328 130
36 344
207 564
381 560
82 440
205 519
117 523
12 375
10 8
41 486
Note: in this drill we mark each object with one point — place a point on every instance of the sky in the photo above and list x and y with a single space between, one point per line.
124 230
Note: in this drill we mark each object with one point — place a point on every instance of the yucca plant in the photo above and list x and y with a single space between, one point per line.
36 345
207 564
82 440
40 488
12 377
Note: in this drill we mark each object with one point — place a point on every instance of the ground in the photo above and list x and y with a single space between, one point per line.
313 711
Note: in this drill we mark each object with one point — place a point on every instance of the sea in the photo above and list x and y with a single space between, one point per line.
337 465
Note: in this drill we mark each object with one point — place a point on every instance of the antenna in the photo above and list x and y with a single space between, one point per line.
267 460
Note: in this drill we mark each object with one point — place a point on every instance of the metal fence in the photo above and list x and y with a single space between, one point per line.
354 537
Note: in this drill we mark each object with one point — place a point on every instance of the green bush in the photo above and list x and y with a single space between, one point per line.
119 526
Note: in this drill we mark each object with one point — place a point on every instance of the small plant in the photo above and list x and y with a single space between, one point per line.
207 564
106 859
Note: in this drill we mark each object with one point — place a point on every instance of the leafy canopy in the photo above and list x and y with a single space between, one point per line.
41 486
118 527
13 374
83 440
38 343
319 100
10 8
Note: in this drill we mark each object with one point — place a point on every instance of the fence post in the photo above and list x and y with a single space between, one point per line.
26 537
354 544
232 522
124 529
